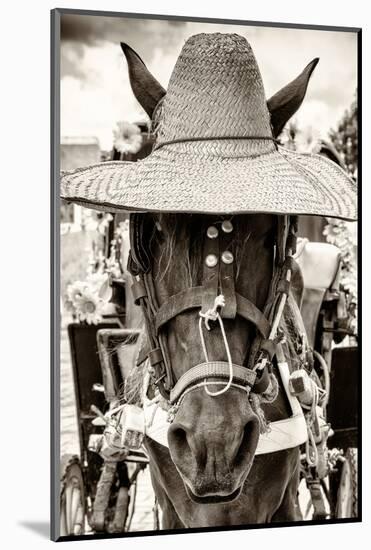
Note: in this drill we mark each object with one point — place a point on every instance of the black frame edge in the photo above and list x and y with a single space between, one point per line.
359 266
195 19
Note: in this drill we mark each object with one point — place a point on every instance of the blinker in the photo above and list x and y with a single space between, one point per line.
211 260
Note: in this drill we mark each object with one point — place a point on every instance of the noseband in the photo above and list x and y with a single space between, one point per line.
218 281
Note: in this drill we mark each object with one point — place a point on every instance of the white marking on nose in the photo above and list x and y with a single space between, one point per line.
184 346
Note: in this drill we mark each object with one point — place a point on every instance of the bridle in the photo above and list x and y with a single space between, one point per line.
218 279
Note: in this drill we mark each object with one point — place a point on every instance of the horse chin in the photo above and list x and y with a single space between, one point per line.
212 499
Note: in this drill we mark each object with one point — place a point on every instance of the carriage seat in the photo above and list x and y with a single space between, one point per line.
320 266
117 350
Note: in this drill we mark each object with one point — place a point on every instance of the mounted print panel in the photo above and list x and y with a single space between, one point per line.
206 368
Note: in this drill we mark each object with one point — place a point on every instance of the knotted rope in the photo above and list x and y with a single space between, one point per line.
213 315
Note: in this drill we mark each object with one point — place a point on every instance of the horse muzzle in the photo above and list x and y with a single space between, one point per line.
212 443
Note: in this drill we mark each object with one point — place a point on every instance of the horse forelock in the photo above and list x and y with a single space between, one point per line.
177 243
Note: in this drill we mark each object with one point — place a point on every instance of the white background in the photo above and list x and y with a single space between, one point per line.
25 265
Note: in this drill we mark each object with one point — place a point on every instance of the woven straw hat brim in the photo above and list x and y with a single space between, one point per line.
175 179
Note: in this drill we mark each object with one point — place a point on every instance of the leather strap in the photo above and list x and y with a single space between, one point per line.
138 291
283 287
226 274
139 241
210 282
319 509
191 298
213 369
155 356
250 312
188 298
143 353
282 229
262 383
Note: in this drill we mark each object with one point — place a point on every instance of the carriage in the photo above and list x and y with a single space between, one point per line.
98 483
98 493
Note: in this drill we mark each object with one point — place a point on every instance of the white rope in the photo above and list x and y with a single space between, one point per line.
213 315
311 451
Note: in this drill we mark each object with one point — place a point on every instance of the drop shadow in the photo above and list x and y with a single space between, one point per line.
42 528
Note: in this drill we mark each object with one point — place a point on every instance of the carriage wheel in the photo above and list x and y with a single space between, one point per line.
347 495
72 499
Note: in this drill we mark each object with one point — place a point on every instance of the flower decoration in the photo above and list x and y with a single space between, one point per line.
89 308
338 232
86 299
343 235
304 140
127 138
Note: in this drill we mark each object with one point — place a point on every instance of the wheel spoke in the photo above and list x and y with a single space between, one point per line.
72 500
347 496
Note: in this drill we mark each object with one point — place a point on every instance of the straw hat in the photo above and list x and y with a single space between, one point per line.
215 151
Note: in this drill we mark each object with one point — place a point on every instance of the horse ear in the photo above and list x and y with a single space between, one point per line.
145 87
287 101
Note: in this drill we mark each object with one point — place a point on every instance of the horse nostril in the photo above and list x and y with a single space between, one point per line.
178 440
179 437
183 444
249 441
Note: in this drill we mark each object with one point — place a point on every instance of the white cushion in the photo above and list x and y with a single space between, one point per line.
319 263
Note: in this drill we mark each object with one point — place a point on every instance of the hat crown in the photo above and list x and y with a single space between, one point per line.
215 90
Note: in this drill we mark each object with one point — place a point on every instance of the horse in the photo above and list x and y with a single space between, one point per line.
210 475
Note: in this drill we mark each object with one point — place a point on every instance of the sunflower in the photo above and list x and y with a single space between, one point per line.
127 138
75 291
89 308
86 299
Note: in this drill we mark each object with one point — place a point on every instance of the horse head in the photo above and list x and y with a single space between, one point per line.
215 433
213 438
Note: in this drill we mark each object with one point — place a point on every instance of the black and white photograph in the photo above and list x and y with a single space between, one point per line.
206 196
